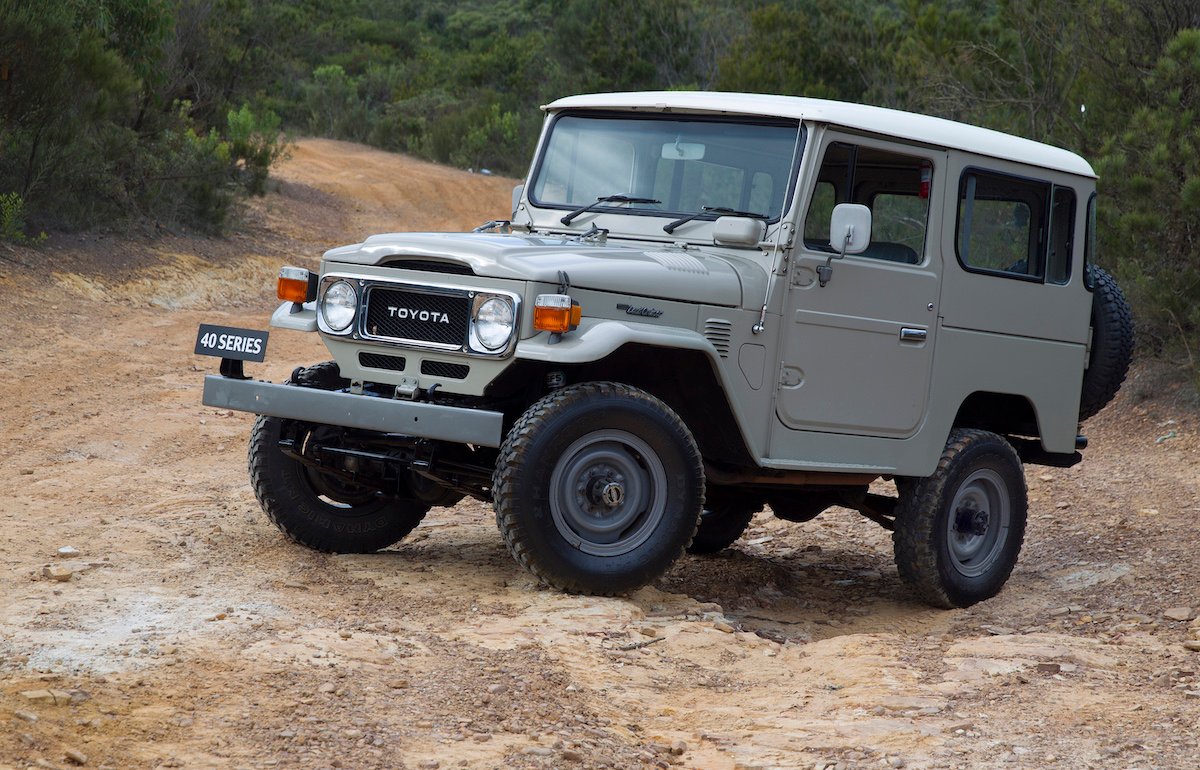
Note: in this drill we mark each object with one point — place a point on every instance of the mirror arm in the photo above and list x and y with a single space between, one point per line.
825 271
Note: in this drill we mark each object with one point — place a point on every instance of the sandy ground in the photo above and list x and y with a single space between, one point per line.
189 633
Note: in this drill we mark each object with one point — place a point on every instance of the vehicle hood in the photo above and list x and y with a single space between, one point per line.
666 272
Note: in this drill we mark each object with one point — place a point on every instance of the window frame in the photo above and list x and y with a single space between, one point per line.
1043 243
1071 228
1090 241
791 176
847 184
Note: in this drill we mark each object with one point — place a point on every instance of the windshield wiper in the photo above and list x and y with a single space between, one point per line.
722 210
618 198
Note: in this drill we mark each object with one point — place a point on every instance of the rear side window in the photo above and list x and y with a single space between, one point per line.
1089 244
1016 227
1062 235
1002 224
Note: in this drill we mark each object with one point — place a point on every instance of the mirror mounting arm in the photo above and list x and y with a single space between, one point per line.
825 271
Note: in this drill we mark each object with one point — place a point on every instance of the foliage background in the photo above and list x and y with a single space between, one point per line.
120 110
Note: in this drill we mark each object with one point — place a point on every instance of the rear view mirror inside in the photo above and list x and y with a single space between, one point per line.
678 150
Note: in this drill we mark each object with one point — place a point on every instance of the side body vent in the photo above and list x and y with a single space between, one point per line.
719 332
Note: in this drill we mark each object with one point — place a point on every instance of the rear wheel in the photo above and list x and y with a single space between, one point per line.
723 520
598 488
958 532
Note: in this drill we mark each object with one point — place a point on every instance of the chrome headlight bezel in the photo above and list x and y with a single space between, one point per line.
347 309
475 297
493 323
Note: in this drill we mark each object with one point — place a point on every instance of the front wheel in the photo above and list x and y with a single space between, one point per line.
321 510
598 488
958 532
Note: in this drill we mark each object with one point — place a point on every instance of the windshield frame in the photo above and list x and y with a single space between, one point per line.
790 181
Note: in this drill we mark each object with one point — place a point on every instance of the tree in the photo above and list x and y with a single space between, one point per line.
1150 175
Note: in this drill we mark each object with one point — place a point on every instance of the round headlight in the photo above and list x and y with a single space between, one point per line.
338 306
494 323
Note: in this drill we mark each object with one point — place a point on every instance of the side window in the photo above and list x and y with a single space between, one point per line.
1089 244
894 186
816 224
1062 235
1002 224
900 218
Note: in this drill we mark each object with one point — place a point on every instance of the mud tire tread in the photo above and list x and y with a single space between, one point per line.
271 473
513 461
1112 344
916 535
716 534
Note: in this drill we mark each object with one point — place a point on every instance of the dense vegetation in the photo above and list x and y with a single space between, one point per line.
113 110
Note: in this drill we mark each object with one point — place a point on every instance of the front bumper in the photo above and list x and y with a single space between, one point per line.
410 418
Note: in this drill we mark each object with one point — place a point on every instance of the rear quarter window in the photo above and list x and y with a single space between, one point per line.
1002 224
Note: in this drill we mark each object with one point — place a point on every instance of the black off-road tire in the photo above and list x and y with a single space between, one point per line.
598 488
326 375
723 520
314 509
1112 344
940 550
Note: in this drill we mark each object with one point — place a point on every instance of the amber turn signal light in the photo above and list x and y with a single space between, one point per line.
296 285
556 313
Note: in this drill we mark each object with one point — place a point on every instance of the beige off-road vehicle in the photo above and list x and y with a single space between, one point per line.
706 304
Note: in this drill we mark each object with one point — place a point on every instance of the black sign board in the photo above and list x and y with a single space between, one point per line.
228 342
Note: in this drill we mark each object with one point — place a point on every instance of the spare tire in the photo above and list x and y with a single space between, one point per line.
1112 344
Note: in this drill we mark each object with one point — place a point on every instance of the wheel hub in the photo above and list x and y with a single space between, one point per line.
600 490
607 492
612 494
977 523
969 521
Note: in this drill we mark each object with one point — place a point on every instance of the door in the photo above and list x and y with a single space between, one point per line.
857 352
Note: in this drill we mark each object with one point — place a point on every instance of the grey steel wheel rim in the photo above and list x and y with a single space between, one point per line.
978 523
608 493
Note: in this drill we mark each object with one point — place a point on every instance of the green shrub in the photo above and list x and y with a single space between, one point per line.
255 143
12 220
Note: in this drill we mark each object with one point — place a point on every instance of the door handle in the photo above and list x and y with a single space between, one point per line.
909 334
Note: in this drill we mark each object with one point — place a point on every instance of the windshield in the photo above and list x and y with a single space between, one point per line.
685 164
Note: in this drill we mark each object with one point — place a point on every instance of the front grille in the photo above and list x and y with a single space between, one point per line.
376 361
404 314
443 369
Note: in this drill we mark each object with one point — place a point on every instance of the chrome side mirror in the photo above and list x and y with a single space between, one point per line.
849 231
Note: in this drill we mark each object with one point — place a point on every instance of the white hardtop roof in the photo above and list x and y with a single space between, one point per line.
878 120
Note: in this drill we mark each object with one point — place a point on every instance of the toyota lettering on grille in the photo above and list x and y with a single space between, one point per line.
414 314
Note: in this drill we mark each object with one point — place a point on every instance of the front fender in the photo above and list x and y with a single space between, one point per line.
595 339
300 318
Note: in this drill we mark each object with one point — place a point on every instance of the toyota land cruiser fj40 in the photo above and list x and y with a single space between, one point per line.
702 305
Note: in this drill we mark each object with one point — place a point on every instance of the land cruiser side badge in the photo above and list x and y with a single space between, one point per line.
228 342
648 312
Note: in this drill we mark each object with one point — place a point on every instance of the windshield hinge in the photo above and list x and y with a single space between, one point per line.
783 242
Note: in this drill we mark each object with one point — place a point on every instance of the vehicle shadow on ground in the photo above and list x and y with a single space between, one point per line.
802 596
799 596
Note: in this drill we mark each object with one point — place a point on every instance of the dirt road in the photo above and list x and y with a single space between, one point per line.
189 633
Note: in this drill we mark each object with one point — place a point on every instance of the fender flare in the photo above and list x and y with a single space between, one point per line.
594 340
